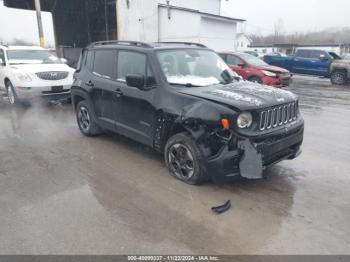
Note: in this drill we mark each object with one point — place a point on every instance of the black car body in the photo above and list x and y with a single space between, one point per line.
172 117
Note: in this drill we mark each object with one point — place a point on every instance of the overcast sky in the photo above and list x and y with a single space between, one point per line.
297 15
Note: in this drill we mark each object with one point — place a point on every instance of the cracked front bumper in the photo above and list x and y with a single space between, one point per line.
253 156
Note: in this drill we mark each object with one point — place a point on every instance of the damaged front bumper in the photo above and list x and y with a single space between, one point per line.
252 156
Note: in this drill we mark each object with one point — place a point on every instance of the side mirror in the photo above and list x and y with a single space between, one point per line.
241 64
64 61
323 58
137 81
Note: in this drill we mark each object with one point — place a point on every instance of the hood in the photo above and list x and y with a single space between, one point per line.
242 95
36 68
271 68
342 61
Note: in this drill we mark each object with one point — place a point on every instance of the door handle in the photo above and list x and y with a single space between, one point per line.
89 84
118 92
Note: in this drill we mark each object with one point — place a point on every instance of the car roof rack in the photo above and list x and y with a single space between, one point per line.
183 43
116 42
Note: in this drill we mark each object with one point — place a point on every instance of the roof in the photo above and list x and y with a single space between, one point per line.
219 17
138 44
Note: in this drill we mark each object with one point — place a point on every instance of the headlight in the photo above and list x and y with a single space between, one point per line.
268 73
244 120
23 77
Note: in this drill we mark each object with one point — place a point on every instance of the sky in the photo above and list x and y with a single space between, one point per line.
261 15
297 15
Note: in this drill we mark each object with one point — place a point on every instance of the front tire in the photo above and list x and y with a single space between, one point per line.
184 160
339 77
86 121
11 94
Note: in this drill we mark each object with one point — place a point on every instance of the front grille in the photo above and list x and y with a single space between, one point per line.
53 75
278 116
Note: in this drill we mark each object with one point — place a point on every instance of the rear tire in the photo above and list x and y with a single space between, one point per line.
86 121
339 77
255 79
184 160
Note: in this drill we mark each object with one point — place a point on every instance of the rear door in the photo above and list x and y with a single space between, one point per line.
302 62
101 80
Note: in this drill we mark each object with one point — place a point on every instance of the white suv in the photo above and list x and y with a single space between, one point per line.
28 72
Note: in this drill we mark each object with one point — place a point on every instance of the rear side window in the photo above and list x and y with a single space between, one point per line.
232 60
303 53
89 60
131 63
105 63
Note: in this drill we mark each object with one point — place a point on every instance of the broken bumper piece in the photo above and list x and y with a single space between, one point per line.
251 157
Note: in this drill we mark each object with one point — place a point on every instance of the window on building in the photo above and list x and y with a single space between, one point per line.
105 63
131 63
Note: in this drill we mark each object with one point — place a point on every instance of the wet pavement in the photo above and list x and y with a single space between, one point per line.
62 193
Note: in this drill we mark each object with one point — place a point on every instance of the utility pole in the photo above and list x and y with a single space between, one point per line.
40 23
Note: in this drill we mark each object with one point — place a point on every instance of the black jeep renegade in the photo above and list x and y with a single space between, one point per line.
184 101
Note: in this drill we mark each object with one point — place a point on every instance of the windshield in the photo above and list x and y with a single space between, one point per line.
191 67
252 60
32 57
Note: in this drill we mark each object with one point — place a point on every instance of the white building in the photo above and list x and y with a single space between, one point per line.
243 42
177 20
138 20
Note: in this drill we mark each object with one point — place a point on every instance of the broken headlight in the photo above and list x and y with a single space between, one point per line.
244 120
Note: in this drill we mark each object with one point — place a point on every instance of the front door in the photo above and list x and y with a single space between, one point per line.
321 62
135 114
302 62
237 65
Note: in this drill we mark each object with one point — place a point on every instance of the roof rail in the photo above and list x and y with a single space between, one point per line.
184 43
116 42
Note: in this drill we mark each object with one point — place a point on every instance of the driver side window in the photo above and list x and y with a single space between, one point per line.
133 63
233 60
130 63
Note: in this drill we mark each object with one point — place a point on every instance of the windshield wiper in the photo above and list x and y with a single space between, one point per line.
185 85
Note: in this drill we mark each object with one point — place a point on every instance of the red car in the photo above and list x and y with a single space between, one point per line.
254 69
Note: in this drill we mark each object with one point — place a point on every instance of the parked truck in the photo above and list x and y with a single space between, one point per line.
314 62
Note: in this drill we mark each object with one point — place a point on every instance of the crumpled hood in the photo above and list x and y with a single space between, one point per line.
36 68
274 69
342 61
242 95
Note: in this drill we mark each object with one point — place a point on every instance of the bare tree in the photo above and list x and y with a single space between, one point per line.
327 36
278 30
